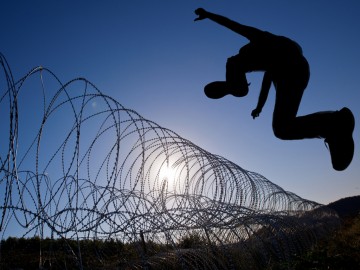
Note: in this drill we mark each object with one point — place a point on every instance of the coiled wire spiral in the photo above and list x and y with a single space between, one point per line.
76 164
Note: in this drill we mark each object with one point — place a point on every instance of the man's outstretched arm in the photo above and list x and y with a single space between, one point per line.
251 33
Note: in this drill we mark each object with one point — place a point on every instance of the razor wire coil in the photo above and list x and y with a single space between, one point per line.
76 164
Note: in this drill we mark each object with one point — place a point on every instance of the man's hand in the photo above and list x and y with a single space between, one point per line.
202 14
255 113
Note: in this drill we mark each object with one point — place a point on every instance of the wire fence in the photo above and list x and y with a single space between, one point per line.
79 170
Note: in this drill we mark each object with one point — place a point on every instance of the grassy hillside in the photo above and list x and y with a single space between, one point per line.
341 250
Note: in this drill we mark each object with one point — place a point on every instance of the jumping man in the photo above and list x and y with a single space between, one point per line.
282 61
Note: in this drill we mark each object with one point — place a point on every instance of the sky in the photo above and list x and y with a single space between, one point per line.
153 58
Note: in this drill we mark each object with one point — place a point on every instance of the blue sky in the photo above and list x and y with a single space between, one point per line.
152 57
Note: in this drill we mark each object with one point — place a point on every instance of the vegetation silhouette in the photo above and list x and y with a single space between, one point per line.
340 250
282 61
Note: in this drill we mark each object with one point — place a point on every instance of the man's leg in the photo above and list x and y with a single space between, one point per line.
248 59
236 80
290 87
336 127
235 83
288 126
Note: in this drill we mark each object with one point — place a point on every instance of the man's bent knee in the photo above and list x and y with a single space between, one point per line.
282 133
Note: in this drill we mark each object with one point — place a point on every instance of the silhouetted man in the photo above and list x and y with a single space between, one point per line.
286 68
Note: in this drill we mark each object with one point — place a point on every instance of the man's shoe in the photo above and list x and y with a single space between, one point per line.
341 143
219 89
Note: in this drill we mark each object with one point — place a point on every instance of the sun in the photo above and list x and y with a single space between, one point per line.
167 173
